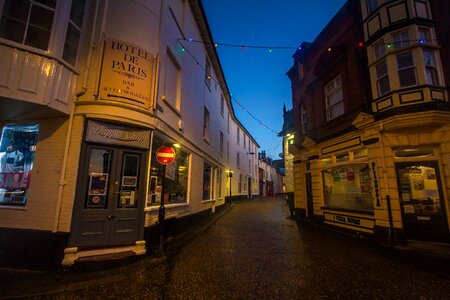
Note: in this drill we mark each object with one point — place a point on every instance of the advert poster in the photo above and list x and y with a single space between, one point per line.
126 73
170 170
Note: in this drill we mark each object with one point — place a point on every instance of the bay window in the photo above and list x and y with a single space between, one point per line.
382 78
406 69
430 67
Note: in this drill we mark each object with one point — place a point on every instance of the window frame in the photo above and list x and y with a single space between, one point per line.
406 68
381 77
335 89
206 124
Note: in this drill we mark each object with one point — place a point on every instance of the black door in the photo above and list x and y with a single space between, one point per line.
422 201
109 208
309 196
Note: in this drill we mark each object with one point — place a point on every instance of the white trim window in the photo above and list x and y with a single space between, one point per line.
334 98
73 34
401 40
382 74
431 71
28 22
206 125
406 69
208 181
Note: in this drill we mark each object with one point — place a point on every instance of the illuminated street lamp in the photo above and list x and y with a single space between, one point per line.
230 175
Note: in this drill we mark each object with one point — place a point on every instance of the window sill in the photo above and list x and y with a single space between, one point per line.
12 207
172 108
356 211
208 201
168 206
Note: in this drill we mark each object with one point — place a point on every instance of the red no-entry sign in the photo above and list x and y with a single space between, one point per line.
165 155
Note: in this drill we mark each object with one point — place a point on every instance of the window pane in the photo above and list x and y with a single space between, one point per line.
348 187
49 3
98 178
176 177
401 40
12 30
405 60
41 17
206 181
381 69
37 37
407 77
17 148
16 9
77 12
383 86
129 181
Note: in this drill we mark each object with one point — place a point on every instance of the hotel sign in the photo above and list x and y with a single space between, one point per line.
115 134
126 74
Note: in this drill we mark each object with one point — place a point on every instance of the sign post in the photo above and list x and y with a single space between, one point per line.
164 155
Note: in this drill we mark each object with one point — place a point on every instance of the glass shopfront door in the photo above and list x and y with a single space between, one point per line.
422 201
110 198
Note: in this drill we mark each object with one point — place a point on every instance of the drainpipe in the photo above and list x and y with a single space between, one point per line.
83 90
386 186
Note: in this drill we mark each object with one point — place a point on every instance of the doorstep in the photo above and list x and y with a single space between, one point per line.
73 254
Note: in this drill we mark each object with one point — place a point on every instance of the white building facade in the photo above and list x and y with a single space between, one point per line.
89 91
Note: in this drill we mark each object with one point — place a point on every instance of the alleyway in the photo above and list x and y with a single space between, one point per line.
256 252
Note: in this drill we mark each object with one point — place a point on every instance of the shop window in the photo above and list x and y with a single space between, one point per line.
382 78
207 181
406 69
348 187
28 22
74 31
219 183
334 98
430 67
176 177
17 148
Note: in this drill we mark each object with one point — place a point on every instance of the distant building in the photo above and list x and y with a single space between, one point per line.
372 121
287 134
270 176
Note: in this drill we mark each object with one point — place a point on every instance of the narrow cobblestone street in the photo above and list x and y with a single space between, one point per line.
256 251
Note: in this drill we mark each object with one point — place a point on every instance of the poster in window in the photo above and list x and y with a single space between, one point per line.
171 170
129 181
98 184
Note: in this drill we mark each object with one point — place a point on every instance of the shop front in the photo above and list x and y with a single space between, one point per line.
111 193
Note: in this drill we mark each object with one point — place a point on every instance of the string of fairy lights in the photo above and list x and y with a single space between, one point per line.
270 48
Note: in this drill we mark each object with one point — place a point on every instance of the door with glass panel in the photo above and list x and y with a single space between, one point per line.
110 197
422 201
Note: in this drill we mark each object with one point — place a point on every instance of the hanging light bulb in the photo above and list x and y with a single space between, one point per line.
270 50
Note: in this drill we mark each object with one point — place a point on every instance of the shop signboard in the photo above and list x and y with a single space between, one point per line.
126 73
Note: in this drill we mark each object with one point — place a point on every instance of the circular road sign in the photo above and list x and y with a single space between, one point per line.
165 155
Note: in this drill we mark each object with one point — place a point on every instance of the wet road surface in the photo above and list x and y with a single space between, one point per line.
256 252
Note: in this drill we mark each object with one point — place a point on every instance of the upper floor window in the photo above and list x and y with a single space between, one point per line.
372 5
28 22
379 49
228 123
383 85
406 69
222 105
172 81
206 125
303 117
238 160
424 36
334 98
221 144
208 73
401 40
73 31
244 141
238 135
430 67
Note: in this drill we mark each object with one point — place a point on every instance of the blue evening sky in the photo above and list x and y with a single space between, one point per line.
256 77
